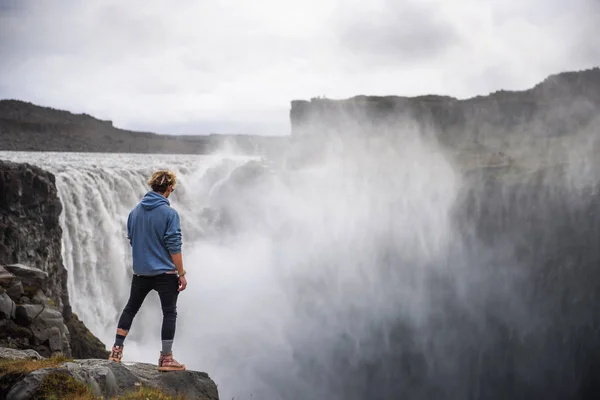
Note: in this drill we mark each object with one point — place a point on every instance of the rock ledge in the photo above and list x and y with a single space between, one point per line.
108 379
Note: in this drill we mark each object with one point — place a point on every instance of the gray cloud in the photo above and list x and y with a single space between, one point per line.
586 28
402 32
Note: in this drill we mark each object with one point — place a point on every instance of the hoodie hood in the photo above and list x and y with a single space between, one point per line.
152 200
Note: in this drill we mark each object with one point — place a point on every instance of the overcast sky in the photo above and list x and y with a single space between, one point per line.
201 66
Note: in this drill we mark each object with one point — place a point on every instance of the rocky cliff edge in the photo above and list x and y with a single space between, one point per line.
35 311
45 350
26 375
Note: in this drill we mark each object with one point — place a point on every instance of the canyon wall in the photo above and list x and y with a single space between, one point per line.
34 277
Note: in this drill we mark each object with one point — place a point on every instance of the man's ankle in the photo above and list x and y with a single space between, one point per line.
167 346
120 337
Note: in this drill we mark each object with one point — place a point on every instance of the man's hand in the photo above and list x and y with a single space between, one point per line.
182 283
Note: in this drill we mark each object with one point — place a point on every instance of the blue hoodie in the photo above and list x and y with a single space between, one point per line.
154 234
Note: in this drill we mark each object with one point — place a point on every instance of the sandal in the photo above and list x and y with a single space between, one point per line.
166 362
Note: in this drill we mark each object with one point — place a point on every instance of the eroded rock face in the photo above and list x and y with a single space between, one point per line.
48 328
28 276
30 231
12 354
31 323
34 322
10 284
83 343
32 274
7 307
6 278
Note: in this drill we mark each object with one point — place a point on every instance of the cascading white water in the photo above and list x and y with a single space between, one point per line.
300 259
97 192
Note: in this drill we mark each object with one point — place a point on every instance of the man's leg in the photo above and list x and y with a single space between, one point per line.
166 286
140 287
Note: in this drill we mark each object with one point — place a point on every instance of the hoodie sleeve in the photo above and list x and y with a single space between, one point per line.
173 234
129 230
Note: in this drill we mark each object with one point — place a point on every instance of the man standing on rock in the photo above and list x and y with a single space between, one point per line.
155 236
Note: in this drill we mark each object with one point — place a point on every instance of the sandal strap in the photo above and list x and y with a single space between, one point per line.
116 352
167 360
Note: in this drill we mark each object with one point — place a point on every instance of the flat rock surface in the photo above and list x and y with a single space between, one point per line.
6 278
108 379
12 354
194 384
29 275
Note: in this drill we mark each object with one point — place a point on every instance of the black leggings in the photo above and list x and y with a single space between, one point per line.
166 285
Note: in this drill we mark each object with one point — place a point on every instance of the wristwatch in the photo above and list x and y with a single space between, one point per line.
182 274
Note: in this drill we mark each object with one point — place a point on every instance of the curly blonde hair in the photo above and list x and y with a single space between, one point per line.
161 180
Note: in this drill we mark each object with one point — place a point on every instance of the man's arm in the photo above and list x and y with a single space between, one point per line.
178 261
129 230
173 242
172 236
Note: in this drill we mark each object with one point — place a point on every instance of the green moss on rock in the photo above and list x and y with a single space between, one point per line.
12 371
60 385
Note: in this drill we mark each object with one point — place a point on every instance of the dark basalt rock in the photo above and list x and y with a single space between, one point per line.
32 274
7 307
12 354
29 226
6 278
10 284
29 276
83 343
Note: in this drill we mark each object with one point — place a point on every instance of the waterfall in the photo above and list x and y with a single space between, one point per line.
97 192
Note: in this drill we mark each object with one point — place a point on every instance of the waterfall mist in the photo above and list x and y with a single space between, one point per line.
319 261
372 267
